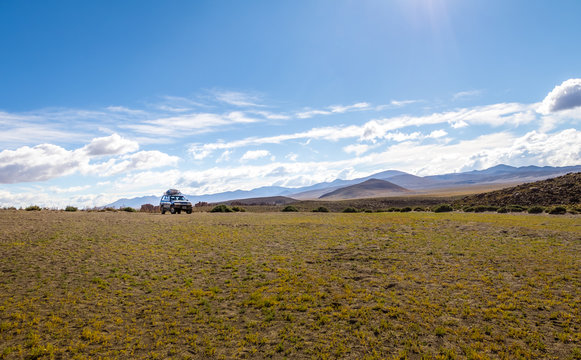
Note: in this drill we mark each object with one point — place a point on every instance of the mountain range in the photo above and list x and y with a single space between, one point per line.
395 182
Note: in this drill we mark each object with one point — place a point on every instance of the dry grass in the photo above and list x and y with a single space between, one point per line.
300 285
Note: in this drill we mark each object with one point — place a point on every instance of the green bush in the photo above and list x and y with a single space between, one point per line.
536 210
406 209
483 208
71 208
221 208
558 210
443 208
368 211
418 208
502 210
238 209
321 209
468 209
290 208
128 209
393 209
33 208
516 208
350 210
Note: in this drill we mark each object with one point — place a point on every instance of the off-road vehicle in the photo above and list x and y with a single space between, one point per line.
174 202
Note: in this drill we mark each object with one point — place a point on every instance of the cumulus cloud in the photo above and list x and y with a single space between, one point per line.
47 161
254 155
38 163
562 97
110 145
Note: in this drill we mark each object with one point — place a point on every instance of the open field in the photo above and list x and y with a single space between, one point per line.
289 285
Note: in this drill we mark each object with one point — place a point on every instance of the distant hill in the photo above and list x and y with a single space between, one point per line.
499 176
562 190
271 200
369 188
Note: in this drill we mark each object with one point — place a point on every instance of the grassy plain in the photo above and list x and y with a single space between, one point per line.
289 285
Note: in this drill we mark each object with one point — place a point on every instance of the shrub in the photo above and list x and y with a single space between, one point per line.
483 208
71 208
443 208
321 209
128 209
516 208
238 209
393 209
406 209
350 210
33 208
368 211
419 209
147 208
221 208
558 210
468 209
290 208
502 210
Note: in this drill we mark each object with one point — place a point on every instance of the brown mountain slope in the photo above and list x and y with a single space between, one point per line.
562 190
369 188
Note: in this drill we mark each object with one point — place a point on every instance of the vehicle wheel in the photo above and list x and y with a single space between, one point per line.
172 210
162 210
188 211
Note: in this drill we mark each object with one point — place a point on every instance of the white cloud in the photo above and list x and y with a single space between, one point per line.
511 114
562 97
123 109
237 98
225 156
254 155
292 156
110 145
356 149
342 108
187 124
48 161
68 190
269 115
437 134
38 163
334 109
466 94
310 113
141 160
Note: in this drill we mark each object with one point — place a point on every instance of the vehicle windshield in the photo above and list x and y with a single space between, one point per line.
178 198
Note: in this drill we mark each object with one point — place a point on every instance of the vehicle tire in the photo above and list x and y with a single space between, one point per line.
162 210
188 211
172 210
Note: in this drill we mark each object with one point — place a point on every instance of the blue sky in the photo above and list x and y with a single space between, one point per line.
103 100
